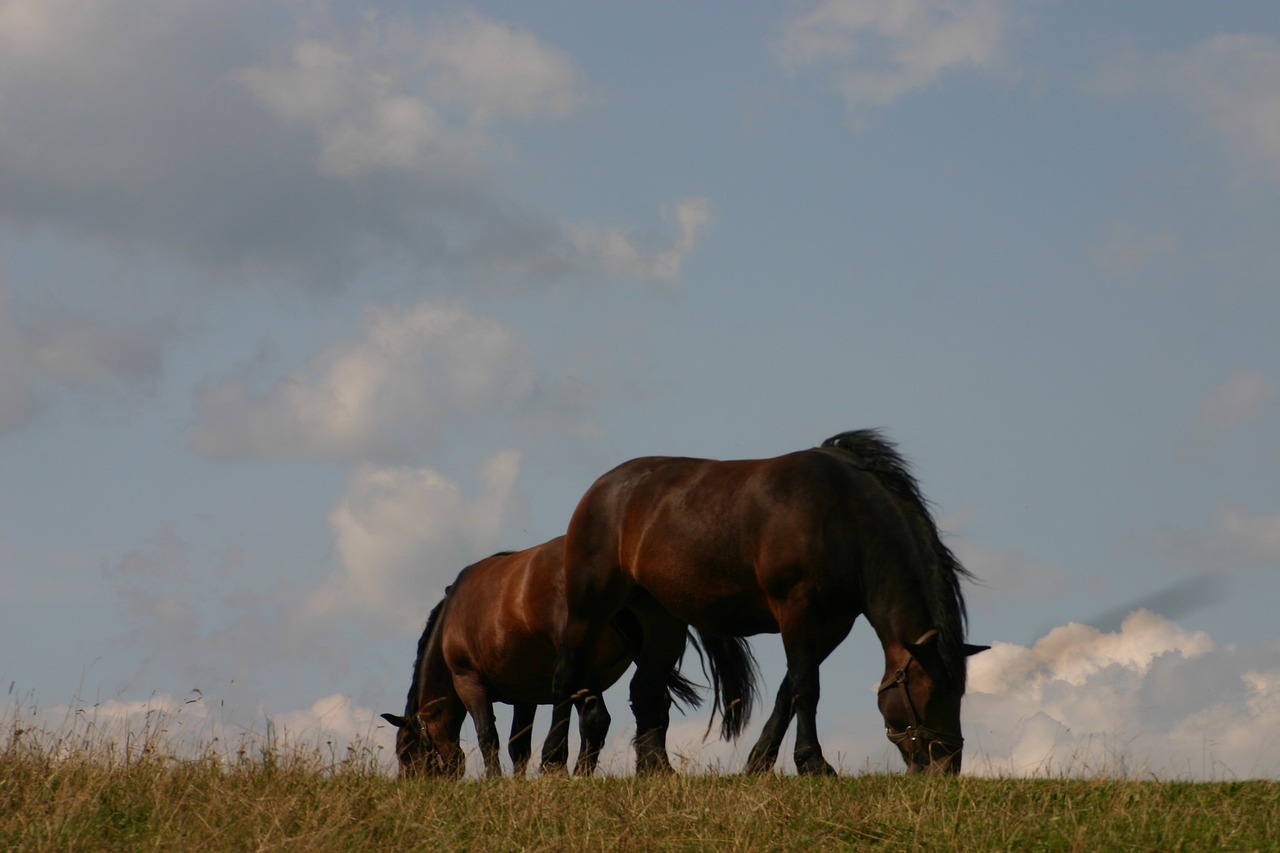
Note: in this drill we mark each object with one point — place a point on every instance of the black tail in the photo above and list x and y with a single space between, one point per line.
733 681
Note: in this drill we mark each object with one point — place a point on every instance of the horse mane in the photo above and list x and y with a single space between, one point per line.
411 702
940 578
432 620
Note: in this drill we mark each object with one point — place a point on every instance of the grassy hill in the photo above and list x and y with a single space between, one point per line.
107 796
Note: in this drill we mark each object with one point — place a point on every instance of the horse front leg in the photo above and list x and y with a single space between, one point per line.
802 673
764 755
520 744
476 698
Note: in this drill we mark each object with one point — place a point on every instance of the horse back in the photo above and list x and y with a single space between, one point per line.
504 620
725 541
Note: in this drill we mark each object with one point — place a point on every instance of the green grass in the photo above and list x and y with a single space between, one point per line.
60 793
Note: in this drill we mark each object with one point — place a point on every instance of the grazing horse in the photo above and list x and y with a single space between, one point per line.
495 638
800 545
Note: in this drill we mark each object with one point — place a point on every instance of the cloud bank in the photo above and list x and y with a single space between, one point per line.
269 142
1150 698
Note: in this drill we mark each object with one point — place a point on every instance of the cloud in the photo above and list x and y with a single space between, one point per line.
268 141
402 534
1257 536
413 375
1229 83
875 53
381 102
1148 698
617 253
1238 400
48 348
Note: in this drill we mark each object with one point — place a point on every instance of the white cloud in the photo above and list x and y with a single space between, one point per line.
268 140
878 52
415 372
379 102
1149 698
1236 401
493 70
616 252
1230 83
402 534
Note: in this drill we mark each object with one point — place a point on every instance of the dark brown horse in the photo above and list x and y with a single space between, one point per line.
495 638
799 545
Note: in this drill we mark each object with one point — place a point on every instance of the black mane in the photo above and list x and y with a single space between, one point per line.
411 702
874 453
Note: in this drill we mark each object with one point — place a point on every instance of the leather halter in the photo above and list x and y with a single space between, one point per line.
918 739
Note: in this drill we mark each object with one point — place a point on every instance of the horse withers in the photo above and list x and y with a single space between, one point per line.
495 638
799 545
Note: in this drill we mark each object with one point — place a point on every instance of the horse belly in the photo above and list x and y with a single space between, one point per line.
719 602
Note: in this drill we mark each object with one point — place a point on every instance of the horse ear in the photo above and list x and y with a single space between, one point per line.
970 651
930 636
395 720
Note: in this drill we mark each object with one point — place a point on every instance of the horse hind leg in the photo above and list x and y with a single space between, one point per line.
555 749
593 725
764 755
520 744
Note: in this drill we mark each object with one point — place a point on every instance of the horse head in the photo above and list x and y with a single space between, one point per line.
920 704
416 750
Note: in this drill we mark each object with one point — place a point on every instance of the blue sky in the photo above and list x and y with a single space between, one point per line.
306 305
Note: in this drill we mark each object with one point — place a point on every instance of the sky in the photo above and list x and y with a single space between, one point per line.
305 305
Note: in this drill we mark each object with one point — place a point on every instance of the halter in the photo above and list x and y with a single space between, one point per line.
917 738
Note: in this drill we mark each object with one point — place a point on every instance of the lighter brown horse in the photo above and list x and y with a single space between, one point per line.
495 638
799 545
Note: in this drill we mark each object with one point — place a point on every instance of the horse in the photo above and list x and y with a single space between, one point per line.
800 545
494 638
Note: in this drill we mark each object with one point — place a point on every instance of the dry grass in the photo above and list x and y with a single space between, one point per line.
83 789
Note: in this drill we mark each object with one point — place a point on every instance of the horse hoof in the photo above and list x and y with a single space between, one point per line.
819 767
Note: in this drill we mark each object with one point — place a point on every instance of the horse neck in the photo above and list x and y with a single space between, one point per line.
900 615
433 679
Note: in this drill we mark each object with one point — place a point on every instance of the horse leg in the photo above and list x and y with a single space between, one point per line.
802 673
476 698
651 705
593 725
664 639
764 755
555 749
520 744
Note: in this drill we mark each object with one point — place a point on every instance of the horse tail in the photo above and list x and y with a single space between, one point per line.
874 453
734 680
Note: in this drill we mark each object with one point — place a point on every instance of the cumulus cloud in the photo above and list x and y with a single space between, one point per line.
380 102
402 534
1151 697
1238 400
1230 83
48 348
414 373
876 53
268 140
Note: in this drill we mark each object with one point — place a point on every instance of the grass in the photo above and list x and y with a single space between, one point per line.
78 791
